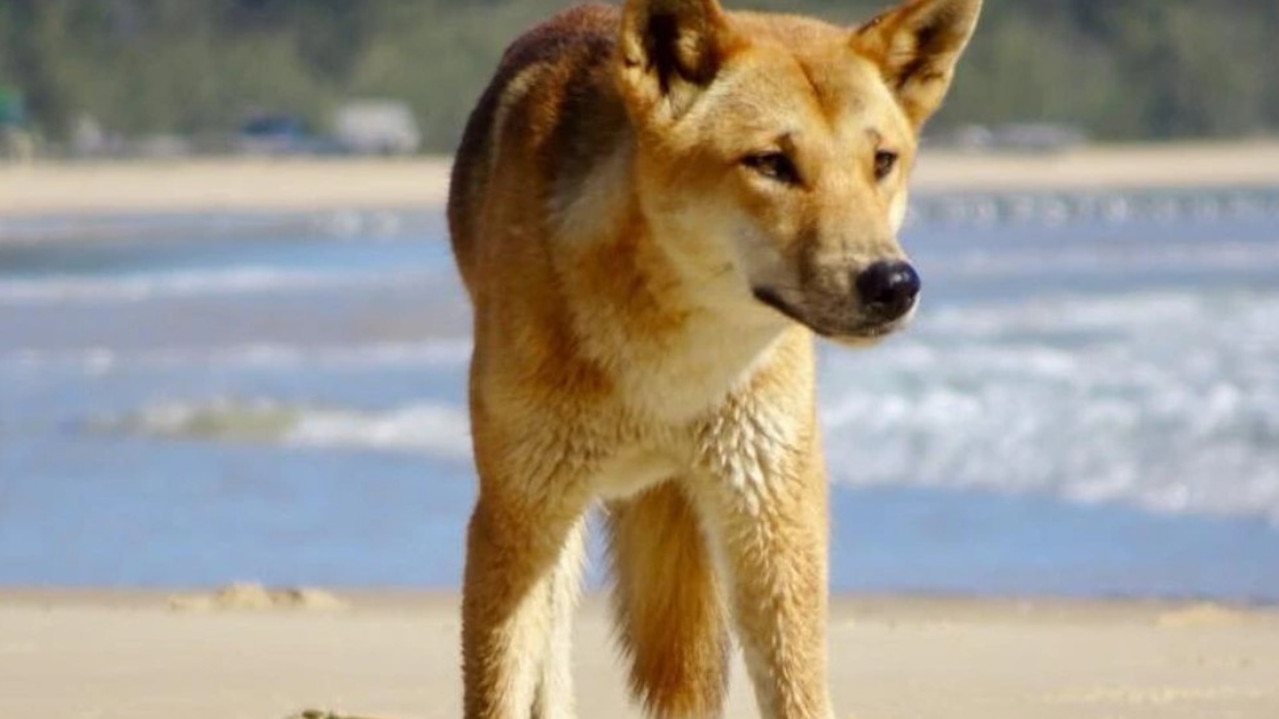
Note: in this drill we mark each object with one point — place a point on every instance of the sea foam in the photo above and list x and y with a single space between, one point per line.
1162 400
438 430
238 280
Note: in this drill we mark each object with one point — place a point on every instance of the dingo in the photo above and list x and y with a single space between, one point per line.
653 209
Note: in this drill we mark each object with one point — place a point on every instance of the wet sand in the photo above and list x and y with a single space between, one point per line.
246 184
388 655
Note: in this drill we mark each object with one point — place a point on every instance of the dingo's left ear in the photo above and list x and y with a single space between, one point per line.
670 50
916 46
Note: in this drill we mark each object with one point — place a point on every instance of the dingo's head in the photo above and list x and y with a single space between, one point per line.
774 149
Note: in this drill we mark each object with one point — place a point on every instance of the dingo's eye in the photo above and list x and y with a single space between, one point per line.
773 165
885 161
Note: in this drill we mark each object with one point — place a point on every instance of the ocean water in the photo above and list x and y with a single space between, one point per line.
1087 404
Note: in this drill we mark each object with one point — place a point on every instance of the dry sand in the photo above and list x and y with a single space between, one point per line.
394 656
221 184
321 184
1200 164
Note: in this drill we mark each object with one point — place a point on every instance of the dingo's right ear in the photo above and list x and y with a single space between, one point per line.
670 50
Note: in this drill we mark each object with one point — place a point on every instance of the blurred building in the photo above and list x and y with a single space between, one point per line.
376 127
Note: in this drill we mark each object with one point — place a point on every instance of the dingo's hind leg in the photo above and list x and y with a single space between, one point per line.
671 618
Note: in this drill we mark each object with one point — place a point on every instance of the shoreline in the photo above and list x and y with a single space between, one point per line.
316 184
886 606
394 655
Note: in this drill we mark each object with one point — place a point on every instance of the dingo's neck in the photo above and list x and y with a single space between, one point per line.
670 323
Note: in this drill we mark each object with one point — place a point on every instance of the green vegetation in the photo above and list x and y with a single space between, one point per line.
1117 68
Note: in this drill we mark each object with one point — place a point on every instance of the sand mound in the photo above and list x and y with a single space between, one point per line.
322 714
1201 615
251 596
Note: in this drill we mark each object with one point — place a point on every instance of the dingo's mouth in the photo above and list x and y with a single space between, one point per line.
847 326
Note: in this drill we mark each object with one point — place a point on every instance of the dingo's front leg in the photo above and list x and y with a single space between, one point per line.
765 511
513 596
554 697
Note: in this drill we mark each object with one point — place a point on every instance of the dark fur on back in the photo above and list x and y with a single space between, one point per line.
579 44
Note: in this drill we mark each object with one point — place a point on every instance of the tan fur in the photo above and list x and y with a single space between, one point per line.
672 621
653 210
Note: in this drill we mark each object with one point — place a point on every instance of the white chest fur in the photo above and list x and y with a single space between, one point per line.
633 470
692 371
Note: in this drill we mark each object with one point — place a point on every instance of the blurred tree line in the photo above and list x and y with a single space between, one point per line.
1119 69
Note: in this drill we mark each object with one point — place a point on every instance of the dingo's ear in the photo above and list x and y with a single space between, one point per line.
670 50
916 46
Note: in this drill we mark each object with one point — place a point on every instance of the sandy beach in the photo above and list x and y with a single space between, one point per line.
318 184
393 656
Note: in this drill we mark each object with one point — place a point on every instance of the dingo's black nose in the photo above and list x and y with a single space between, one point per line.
888 289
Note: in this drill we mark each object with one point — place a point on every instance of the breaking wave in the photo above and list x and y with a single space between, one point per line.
227 281
438 430
1163 400
437 352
